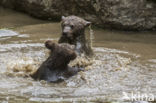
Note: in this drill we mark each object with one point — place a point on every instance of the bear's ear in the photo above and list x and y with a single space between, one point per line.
50 45
87 23
63 17
72 55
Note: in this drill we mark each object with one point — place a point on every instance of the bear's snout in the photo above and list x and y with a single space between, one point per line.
67 31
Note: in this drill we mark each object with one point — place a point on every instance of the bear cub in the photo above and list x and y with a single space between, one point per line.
73 32
56 68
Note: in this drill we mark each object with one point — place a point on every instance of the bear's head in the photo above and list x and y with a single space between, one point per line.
73 26
61 54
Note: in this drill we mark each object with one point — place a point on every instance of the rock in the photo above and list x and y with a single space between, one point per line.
113 14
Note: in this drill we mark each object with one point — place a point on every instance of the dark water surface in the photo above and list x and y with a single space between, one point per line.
125 62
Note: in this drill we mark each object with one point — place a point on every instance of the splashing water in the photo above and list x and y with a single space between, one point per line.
116 68
22 67
105 76
5 33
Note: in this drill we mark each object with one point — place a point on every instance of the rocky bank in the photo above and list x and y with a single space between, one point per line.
113 14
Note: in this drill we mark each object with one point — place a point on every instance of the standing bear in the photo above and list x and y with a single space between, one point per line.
73 32
56 68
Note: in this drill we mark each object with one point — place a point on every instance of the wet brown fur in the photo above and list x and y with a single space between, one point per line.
75 35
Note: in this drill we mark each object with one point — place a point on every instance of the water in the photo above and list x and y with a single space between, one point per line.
124 62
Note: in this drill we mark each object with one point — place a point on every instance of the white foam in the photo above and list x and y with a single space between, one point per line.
5 32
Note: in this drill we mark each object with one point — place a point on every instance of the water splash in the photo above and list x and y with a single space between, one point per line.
5 32
82 62
23 67
105 73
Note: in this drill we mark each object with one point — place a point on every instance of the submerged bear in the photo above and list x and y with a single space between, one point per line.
56 68
73 32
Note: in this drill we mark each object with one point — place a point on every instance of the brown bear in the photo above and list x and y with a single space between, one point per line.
73 32
56 68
